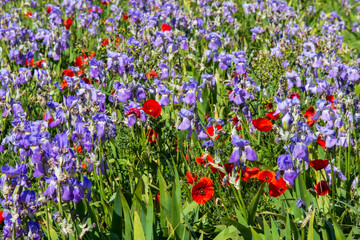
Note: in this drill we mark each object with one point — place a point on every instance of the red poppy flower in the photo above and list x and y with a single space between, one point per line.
236 123
310 112
84 167
31 63
330 98
152 135
228 168
253 172
211 132
79 149
87 81
203 191
322 188
68 23
80 73
48 10
191 178
269 106
277 187
1 216
105 3
310 122
262 124
321 142
202 161
133 111
294 94
165 27
152 108
69 73
29 14
249 173
319 164
125 16
266 176
40 63
64 84
105 42
153 74
271 116
79 62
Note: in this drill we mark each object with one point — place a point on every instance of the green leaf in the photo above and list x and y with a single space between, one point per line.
357 90
189 208
350 236
291 222
330 229
288 228
274 230
127 217
267 231
244 230
254 204
117 218
165 203
138 229
256 236
113 236
149 218
228 232
311 227
338 232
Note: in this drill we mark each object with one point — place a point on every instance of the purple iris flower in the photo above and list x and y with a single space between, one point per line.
242 151
225 60
191 92
301 204
183 42
285 163
301 151
187 116
276 52
208 78
256 31
309 50
215 40
292 77
337 172
164 71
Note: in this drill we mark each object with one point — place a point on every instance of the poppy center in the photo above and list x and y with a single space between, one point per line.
202 192
266 177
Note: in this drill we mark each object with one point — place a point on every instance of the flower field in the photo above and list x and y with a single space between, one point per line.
179 119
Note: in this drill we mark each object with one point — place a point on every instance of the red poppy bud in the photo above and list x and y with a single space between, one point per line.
191 178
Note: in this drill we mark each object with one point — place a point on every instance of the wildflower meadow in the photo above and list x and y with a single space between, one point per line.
179 119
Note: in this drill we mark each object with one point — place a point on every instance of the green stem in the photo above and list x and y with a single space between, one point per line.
47 221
